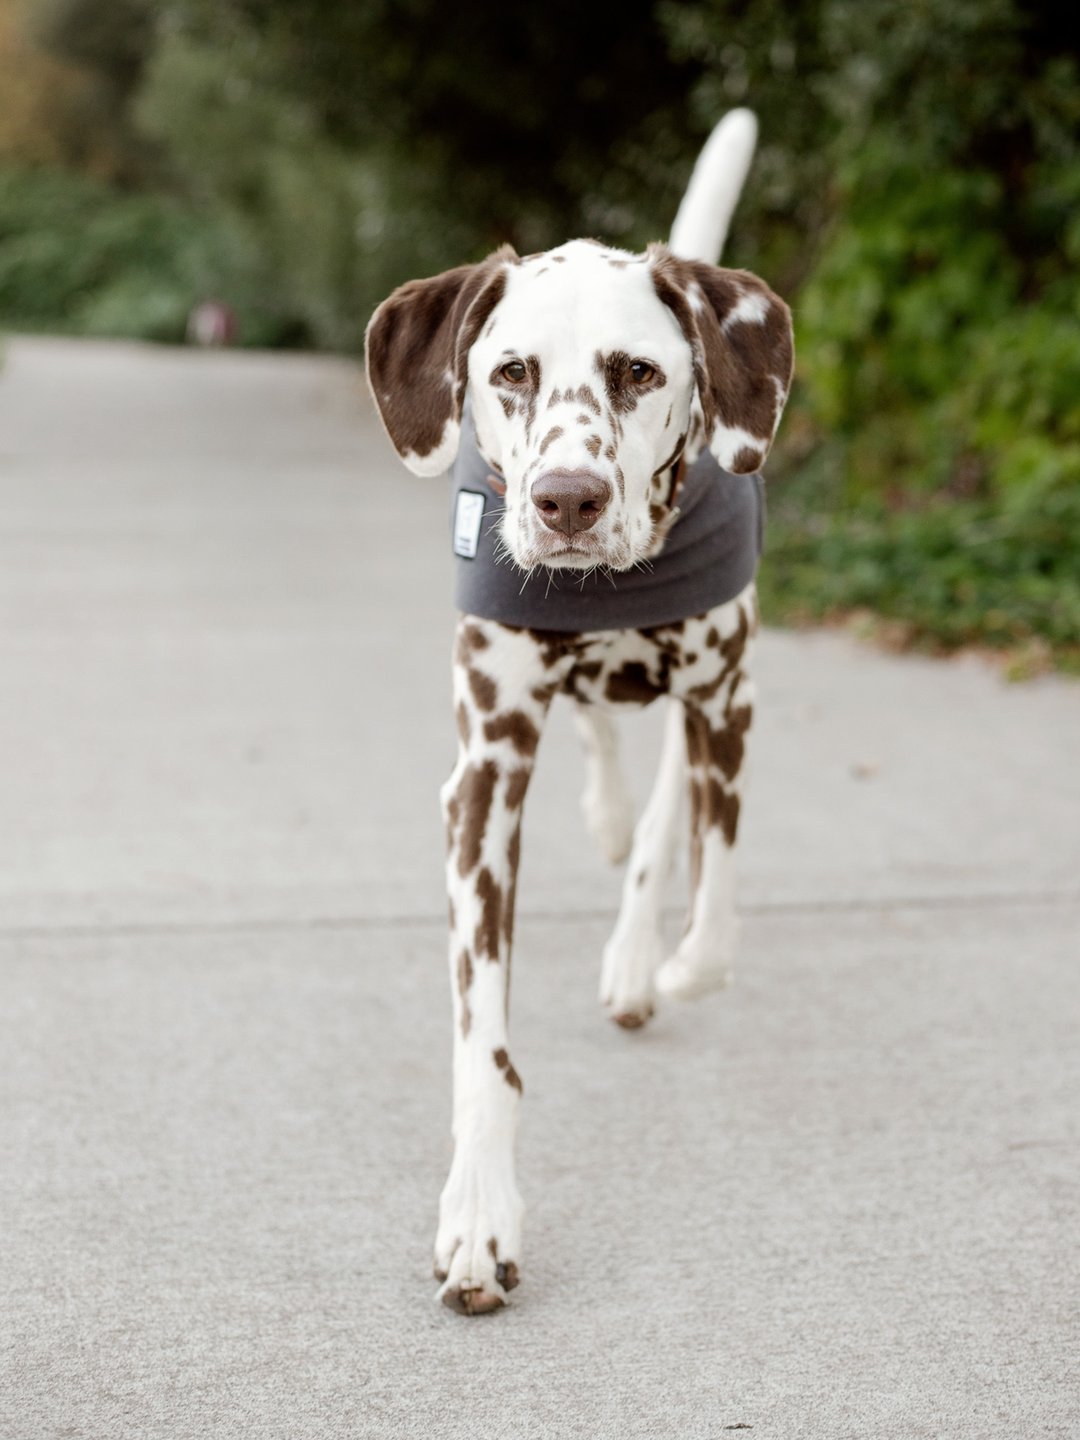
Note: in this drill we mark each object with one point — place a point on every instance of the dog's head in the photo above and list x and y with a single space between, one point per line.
583 365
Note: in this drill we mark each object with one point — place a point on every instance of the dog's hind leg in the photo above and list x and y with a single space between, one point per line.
635 950
501 697
715 741
606 802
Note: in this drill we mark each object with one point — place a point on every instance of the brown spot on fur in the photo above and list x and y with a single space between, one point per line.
510 1075
609 452
722 808
592 444
552 435
516 786
513 859
584 419
732 648
710 806
464 982
483 688
623 391
552 647
726 746
747 461
489 926
463 722
697 745
508 404
631 685
697 802
731 651
515 727
471 637
474 794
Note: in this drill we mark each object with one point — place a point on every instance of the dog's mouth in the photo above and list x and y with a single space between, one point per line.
580 553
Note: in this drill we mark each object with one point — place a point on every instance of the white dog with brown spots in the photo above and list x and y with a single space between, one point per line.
593 378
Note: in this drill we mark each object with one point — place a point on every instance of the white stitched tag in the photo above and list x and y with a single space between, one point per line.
468 517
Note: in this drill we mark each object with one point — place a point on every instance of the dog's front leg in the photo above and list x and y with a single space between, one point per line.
500 710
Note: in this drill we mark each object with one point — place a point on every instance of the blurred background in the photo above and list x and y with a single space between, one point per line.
916 197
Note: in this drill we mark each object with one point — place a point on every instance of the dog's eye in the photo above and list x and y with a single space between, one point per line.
514 371
641 372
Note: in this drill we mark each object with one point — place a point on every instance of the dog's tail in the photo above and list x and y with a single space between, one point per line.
701 225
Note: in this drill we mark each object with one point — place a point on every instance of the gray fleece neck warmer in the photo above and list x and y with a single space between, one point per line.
710 555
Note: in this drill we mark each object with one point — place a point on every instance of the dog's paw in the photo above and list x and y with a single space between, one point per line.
476 1282
626 977
689 974
478 1245
609 819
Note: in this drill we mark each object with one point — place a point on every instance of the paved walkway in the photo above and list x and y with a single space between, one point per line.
838 1201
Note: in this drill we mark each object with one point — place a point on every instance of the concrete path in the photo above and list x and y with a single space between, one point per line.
838 1201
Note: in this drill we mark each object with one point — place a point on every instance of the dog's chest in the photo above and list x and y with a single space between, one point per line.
687 658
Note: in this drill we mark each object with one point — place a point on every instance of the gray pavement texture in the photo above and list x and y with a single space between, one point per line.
839 1200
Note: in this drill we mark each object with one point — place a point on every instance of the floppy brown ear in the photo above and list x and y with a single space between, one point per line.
417 350
740 337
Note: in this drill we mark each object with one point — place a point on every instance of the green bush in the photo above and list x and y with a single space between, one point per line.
80 256
916 196
929 465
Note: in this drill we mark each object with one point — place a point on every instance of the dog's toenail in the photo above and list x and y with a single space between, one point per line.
507 1275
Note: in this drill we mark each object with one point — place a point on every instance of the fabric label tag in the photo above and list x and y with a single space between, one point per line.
468 517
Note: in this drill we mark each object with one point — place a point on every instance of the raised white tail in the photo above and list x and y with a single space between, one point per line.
701 225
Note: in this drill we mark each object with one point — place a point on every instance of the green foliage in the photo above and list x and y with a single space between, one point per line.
929 468
916 195
254 157
81 256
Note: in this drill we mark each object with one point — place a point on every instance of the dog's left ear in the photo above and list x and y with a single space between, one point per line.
740 337
417 350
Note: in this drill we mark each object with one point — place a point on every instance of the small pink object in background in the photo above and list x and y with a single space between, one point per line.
211 322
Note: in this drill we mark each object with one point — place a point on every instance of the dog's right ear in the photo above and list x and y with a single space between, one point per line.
740 338
417 348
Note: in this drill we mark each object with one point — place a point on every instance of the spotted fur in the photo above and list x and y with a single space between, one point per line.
583 359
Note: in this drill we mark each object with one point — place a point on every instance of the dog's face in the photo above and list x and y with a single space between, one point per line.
582 365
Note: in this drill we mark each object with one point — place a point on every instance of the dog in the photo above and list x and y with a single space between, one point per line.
589 383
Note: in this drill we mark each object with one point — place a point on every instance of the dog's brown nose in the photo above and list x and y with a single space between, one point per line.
570 500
